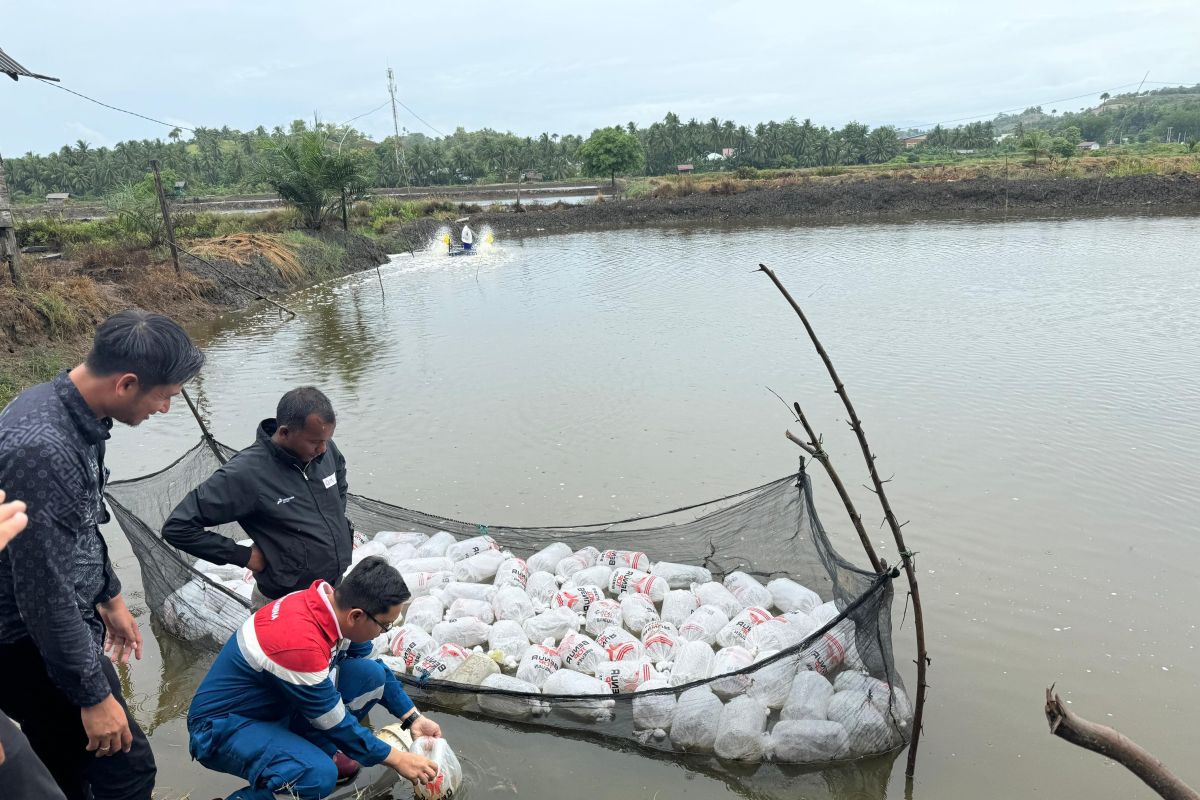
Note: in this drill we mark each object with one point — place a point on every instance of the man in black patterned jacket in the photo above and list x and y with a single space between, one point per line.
60 600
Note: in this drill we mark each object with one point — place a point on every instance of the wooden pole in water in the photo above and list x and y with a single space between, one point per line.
166 213
906 555
10 253
204 431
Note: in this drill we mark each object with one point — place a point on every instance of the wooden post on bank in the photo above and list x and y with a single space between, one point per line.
166 212
9 252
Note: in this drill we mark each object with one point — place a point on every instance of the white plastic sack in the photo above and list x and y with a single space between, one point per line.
458 590
620 645
827 653
509 638
512 572
678 605
624 677
808 741
787 595
423 583
809 697
465 631
219 572
625 558
782 632
469 547
546 559
553 624
680 576
390 539
704 624
741 731
466 607
628 579
472 672
197 610
581 559
480 567
436 545
714 594
747 590
366 550
541 588
737 632
773 683
570 682
602 614
508 706
881 694
399 553
637 611
579 599
581 653
660 638
538 664
727 660
598 575
867 729
653 711
512 603
440 663
446 783
697 713
824 613
693 662
426 564
411 644
425 612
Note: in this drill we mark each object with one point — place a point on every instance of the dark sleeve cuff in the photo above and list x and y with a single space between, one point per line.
242 557
92 689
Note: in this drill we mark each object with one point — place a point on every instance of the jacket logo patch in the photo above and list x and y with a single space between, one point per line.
283 500
330 481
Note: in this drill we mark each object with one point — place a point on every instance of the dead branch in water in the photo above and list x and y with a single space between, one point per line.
905 554
1111 743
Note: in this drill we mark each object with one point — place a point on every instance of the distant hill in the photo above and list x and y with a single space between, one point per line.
1168 114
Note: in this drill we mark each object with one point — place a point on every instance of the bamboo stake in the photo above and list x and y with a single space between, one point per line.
166 214
905 554
204 431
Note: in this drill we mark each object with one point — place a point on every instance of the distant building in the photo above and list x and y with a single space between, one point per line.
533 176
910 142
965 152
714 157
1088 145
682 168
727 152
58 198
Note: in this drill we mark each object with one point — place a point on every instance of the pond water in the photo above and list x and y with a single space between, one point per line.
1032 386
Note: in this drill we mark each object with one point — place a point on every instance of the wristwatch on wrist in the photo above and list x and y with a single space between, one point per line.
408 721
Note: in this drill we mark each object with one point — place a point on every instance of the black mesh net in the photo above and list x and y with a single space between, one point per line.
828 693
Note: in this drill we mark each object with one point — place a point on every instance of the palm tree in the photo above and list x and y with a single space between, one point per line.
1036 143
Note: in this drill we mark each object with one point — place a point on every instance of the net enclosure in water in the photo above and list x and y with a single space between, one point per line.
730 628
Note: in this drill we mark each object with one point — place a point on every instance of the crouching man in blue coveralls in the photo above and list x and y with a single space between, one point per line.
289 689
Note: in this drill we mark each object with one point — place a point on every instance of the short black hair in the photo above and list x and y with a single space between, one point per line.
296 406
151 346
373 585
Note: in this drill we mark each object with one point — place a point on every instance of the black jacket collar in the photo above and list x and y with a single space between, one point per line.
266 429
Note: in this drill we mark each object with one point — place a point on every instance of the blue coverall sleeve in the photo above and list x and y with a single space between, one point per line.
321 705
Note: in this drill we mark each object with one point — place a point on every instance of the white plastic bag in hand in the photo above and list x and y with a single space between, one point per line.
704 624
469 547
411 644
808 741
772 683
465 631
512 603
546 559
425 612
678 605
620 645
747 590
505 705
697 713
628 579
727 660
680 576
581 653
581 559
480 567
624 677
578 599
693 662
637 611
653 711
509 638
466 607
741 731
603 614
512 572
440 663
449 776
553 624
625 558
541 588
570 682
809 697
737 632
787 595
714 594
660 638
538 664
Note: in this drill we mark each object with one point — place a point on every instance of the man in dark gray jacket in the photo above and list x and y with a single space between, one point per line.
288 493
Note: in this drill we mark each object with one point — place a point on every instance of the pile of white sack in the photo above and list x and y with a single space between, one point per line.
597 624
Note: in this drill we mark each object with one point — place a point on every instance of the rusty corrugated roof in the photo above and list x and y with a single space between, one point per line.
15 70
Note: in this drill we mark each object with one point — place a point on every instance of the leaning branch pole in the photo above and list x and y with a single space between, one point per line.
166 212
1111 743
905 555
257 295
204 431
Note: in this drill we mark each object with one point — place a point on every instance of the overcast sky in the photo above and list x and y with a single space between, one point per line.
570 67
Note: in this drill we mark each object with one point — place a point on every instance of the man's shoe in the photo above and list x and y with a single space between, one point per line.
347 767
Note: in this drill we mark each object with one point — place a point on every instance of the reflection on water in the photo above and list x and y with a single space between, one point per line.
1032 386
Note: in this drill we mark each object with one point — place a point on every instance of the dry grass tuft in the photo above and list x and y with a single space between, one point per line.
242 248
